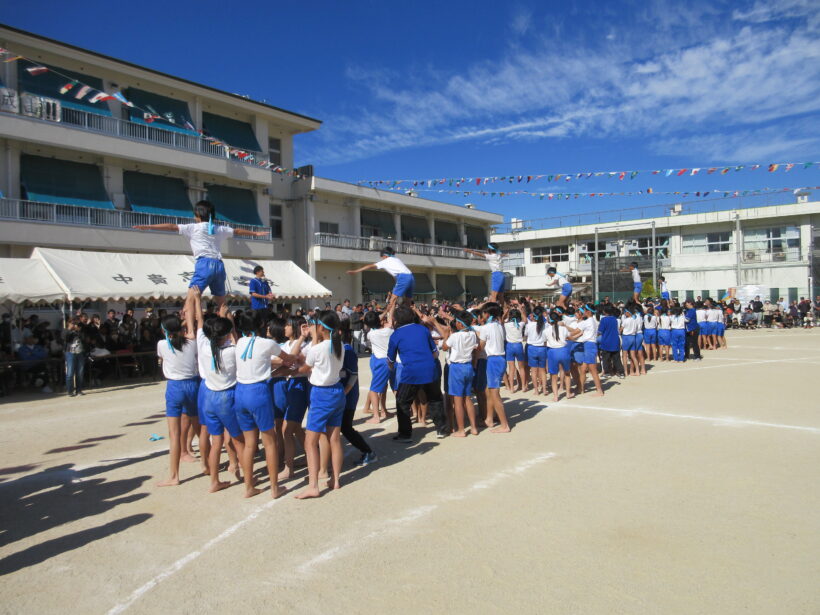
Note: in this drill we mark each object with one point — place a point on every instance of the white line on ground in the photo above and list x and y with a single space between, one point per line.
692 369
388 527
715 420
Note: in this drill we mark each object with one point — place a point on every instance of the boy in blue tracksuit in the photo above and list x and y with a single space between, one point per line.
692 330
610 344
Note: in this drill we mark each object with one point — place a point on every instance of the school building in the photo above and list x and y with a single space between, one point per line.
77 171
701 249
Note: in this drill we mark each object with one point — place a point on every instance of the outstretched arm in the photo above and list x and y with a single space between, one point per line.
240 232
157 227
474 252
363 268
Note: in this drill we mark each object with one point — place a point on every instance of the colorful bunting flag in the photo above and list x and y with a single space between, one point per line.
120 97
37 70
82 92
773 168
67 87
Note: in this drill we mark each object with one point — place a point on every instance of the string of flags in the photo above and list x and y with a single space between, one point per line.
575 195
82 91
458 182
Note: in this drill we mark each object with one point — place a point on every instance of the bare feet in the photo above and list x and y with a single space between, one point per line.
188 458
285 474
277 492
555 397
501 429
205 470
169 482
460 434
473 431
235 471
310 492
598 394
249 493
334 484
375 420
323 474
570 395
218 486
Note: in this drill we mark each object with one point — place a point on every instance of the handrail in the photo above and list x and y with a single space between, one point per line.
375 244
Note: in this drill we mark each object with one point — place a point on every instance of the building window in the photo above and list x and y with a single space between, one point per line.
642 246
551 254
331 228
708 242
513 260
781 242
275 221
275 150
586 251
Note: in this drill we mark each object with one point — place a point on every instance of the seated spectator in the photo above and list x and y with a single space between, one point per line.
35 369
748 320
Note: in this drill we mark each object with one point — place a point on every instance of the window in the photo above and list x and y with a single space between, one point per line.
708 242
586 251
275 221
642 246
550 254
782 242
275 150
329 227
514 259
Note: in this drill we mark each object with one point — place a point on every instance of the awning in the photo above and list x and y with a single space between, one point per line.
237 205
233 132
155 194
51 180
423 285
25 279
447 233
173 114
476 285
414 228
476 237
48 84
100 276
381 220
377 282
448 286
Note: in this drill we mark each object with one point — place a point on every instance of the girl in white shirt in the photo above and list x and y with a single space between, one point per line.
650 335
290 391
678 324
379 338
664 333
404 280
462 347
514 351
494 260
323 363
536 336
179 366
713 317
703 325
559 358
491 341
585 354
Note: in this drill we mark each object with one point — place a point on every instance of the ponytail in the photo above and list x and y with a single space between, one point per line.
539 319
330 321
216 330
172 328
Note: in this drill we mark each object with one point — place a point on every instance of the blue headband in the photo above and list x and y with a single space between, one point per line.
168 339
466 326
248 352
515 320
211 224
331 329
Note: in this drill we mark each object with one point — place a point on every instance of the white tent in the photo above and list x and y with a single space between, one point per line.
122 276
24 279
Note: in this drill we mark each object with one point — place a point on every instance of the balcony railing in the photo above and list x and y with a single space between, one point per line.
375 244
76 215
145 133
764 256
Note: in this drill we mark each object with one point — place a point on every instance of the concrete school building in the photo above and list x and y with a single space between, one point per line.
700 253
77 174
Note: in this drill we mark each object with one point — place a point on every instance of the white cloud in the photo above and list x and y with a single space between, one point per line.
521 21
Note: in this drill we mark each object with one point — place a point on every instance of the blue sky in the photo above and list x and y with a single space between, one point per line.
464 89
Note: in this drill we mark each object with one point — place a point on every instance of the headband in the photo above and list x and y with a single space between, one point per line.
332 331
168 339
211 224
466 326
248 352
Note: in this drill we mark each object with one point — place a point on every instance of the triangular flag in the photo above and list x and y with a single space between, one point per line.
120 97
711 170
789 166
669 172
37 70
67 87
633 174
621 175
724 171
100 96
649 190
682 171
755 167
694 171
773 168
82 92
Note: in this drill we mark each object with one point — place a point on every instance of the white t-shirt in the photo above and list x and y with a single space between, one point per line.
461 345
629 325
290 348
178 364
493 335
558 280
589 330
392 265
678 322
636 275
326 365
664 287
569 320
256 368
534 338
713 315
701 315
203 244
494 261
379 340
665 322
650 322
225 378
552 340
514 335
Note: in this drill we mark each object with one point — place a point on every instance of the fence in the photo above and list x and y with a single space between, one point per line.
375 244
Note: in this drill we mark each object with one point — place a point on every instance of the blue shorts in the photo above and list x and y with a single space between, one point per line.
637 287
585 353
327 406
515 351
664 337
296 397
253 406
219 414
279 395
665 296
209 273
720 329
404 285
628 342
379 374
638 341
496 366
558 357
497 281
706 328
566 289
460 379
200 401
181 396
536 356
650 336
480 377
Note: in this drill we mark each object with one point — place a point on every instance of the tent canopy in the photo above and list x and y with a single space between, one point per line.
93 276
25 279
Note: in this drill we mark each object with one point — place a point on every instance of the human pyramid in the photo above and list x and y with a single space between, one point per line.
232 379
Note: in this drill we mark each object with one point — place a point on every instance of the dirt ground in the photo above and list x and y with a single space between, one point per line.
694 489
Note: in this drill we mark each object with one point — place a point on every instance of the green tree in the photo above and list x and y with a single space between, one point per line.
648 290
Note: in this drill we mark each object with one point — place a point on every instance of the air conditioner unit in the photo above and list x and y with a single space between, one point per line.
779 256
750 256
51 110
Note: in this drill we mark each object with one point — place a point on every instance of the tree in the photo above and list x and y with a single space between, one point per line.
648 290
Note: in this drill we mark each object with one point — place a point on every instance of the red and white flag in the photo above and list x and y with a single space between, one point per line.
82 92
37 70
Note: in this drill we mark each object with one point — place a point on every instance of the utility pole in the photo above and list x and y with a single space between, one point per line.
595 288
738 248
654 260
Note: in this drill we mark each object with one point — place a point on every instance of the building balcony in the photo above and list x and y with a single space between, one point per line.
76 215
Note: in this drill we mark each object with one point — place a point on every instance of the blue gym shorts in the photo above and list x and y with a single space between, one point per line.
566 289
279 396
253 406
327 407
181 396
585 353
628 342
650 336
296 398
379 374
497 280
664 337
219 414
665 296
536 356
404 285
480 376
515 351
637 287
496 366
460 379
558 357
209 273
